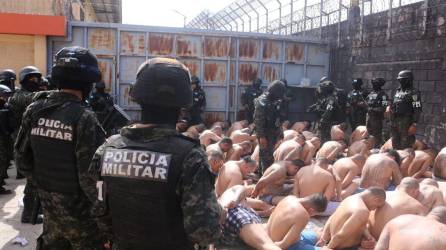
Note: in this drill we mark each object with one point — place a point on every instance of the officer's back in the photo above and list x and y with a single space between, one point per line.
159 188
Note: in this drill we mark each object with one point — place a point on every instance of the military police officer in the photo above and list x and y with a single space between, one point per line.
377 101
267 122
54 147
198 102
5 137
100 101
327 108
248 97
7 78
356 105
158 184
405 111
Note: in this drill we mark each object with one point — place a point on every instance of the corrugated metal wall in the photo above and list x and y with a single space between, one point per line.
226 62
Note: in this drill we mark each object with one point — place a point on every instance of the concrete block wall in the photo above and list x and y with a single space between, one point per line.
417 42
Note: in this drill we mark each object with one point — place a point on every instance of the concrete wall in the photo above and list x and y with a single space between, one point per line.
416 40
18 51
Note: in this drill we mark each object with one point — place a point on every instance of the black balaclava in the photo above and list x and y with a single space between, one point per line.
405 83
276 90
31 86
160 115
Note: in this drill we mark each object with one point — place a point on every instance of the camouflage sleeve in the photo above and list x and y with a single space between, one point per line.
89 136
259 119
198 201
22 148
328 112
417 105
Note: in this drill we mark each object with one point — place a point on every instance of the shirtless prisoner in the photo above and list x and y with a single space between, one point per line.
430 195
315 179
346 170
224 145
195 131
347 227
232 173
239 136
406 157
238 125
331 150
216 160
272 181
290 150
358 134
381 170
337 132
300 126
362 146
238 151
414 232
402 201
211 136
310 149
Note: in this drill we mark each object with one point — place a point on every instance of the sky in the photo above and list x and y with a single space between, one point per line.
162 12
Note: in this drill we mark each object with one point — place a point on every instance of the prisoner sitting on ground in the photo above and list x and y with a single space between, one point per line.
238 151
300 126
232 173
423 160
362 146
294 146
337 132
347 227
238 125
195 131
216 160
346 170
211 136
401 201
381 170
224 145
310 149
270 187
406 157
439 171
331 150
414 232
430 195
358 133
241 135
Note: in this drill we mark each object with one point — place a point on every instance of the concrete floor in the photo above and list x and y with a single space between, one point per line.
10 212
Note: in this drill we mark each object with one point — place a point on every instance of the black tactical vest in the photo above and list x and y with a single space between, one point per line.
377 99
53 140
141 180
402 102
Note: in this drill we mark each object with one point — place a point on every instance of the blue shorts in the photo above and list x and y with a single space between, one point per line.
267 198
308 240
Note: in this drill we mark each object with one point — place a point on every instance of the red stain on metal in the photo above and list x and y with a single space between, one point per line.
232 72
216 46
294 52
271 72
132 43
105 66
215 72
247 72
212 117
271 50
188 46
101 39
160 44
248 48
193 66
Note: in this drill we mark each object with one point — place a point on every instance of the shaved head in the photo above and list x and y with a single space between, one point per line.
439 213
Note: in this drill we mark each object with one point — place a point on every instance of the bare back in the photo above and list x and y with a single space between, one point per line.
312 180
378 171
229 175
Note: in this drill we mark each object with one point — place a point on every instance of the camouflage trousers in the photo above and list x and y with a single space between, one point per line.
266 154
374 125
67 223
399 126
357 118
324 130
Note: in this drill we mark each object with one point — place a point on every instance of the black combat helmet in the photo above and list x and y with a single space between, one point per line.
8 77
326 87
378 82
276 90
257 83
405 78
357 82
5 90
100 85
323 79
28 71
76 68
194 80
162 82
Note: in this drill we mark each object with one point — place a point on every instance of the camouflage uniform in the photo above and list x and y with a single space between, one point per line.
101 103
357 107
194 187
406 108
248 97
267 125
198 105
377 102
5 141
67 218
